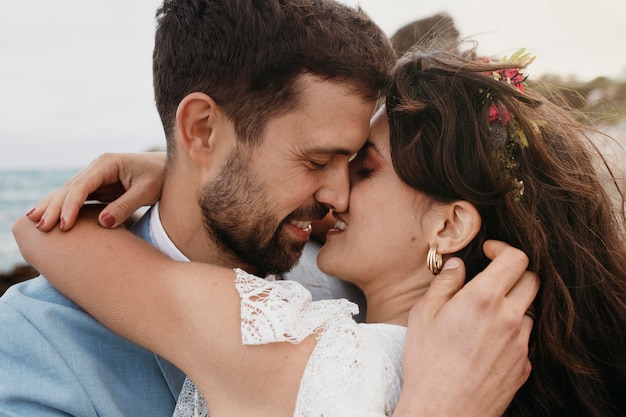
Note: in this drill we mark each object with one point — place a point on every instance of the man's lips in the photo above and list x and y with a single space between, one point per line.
302 224
301 229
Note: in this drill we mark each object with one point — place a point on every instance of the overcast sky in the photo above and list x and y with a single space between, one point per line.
75 75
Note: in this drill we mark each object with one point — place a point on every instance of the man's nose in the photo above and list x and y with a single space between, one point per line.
334 192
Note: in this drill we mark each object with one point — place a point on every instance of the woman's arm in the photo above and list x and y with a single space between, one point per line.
187 312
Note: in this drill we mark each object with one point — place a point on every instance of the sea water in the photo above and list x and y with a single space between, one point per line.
19 192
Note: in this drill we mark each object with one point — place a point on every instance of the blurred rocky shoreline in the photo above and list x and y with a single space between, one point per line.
18 274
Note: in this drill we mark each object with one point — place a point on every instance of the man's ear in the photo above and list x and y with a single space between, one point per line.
458 224
197 117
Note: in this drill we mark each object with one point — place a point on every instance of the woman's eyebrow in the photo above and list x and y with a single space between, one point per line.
371 145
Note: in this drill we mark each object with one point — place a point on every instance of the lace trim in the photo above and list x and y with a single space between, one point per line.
283 311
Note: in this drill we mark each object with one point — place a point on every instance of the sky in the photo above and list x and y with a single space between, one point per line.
75 75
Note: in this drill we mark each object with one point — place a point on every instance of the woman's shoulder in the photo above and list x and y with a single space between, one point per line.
283 311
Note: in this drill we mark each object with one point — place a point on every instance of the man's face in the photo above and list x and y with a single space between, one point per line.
260 207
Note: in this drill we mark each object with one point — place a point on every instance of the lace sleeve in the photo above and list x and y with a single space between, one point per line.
283 311
354 369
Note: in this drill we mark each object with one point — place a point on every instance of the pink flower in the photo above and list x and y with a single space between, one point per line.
499 112
514 77
493 113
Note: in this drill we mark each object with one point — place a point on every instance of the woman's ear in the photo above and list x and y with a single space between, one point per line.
459 223
196 119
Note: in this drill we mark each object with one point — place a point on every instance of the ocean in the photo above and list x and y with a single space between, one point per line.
20 190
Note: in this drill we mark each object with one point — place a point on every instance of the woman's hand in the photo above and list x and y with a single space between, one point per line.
127 181
466 349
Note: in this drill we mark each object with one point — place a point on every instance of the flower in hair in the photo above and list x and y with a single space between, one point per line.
511 76
506 132
497 111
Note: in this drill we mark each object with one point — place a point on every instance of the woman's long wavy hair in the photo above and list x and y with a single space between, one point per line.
442 144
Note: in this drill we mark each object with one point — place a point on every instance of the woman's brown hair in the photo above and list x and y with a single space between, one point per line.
533 179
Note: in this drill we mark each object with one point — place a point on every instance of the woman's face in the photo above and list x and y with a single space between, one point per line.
382 230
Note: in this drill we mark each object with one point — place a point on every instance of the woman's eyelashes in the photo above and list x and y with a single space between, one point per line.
364 172
366 162
367 165
356 165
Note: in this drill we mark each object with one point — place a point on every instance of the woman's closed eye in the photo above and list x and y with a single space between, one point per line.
370 163
362 165
364 172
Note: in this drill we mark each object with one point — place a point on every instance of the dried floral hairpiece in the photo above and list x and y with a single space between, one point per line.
506 132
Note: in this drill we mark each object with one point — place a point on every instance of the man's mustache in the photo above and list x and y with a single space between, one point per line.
314 212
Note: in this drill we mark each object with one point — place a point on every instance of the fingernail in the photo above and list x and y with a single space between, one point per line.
30 212
39 224
108 220
452 263
62 223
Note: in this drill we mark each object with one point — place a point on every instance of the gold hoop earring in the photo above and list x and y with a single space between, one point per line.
434 261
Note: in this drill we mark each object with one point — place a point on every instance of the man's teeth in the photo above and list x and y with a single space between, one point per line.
304 225
340 225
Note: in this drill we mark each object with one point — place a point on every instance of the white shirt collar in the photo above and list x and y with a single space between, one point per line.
160 239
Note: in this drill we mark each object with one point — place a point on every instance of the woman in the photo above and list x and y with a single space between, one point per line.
460 154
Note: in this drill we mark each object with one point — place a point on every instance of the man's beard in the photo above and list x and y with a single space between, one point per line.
239 219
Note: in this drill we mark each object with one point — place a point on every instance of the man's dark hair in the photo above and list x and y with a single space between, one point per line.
247 55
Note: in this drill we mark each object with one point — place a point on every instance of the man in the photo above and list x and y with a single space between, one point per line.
262 103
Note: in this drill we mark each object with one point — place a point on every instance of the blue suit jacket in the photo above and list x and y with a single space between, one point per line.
56 360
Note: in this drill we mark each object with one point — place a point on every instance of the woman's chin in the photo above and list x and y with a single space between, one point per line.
328 262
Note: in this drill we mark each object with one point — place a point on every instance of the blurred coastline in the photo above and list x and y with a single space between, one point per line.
19 191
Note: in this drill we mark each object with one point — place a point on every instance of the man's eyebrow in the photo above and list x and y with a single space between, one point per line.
329 150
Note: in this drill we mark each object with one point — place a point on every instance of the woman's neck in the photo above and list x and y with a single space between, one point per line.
392 303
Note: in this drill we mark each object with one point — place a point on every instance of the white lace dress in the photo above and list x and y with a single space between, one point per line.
354 370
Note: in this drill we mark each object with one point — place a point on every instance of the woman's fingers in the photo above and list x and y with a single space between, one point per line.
128 181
